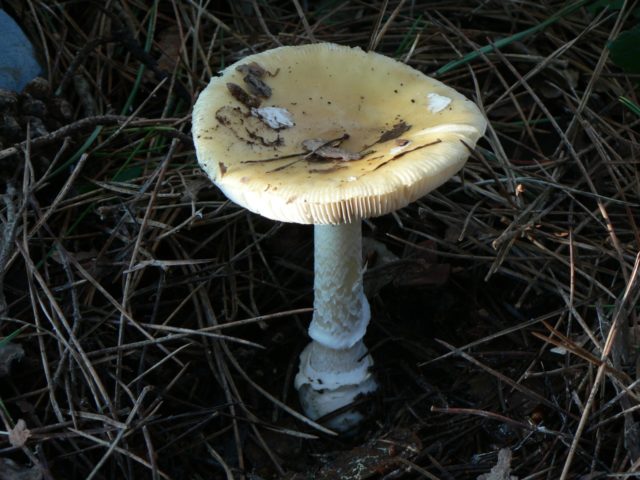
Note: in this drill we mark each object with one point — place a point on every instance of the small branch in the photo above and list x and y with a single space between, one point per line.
7 238
87 123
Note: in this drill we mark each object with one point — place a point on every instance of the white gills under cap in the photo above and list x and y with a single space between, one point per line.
327 134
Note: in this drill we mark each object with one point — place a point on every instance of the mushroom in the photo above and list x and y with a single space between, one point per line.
328 135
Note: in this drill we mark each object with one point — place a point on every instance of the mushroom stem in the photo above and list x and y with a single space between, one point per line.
335 366
341 310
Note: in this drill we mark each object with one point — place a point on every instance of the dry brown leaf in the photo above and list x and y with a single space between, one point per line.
382 265
19 434
502 470
373 459
169 44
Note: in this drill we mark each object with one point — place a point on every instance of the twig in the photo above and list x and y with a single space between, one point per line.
627 301
7 239
83 124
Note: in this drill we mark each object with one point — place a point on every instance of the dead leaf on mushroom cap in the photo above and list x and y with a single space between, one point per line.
328 149
253 73
395 131
257 86
243 97
255 69
336 153
274 117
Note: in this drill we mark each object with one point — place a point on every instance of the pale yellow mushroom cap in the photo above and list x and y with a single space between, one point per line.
322 92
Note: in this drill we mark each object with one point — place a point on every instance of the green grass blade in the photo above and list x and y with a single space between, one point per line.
83 148
5 411
141 69
11 336
513 38
417 26
630 104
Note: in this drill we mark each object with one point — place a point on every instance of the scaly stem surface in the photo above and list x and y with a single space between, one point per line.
335 367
